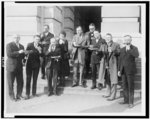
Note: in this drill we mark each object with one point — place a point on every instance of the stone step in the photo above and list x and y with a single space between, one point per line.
138 70
85 91
137 77
78 89
137 85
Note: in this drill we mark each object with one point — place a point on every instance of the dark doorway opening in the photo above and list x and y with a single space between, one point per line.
84 15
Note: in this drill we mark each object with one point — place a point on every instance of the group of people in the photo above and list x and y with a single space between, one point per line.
104 57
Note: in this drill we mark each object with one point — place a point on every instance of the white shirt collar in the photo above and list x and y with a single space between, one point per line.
46 33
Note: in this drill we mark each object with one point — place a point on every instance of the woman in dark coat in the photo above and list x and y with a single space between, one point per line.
64 63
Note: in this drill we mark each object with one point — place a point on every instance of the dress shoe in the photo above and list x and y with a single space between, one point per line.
93 87
100 86
22 98
55 93
27 97
74 85
12 99
106 96
18 98
110 99
122 103
35 95
84 85
131 106
50 94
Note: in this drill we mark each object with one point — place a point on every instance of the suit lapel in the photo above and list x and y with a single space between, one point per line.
16 47
80 39
123 51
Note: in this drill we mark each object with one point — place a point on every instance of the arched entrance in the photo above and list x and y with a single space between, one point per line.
84 15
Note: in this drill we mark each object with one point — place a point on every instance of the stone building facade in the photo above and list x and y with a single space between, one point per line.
119 20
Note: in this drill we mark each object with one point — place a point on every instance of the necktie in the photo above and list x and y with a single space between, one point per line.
17 45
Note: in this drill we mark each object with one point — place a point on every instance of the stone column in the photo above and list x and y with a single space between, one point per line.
69 23
53 16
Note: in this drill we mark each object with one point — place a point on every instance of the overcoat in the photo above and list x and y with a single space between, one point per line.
112 62
64 61
79 51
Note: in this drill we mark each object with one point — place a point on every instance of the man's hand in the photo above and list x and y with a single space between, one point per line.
91 46
21 51
107 67
119 74
44 42
74 43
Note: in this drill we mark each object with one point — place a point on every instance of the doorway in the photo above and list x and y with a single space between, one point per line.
84 15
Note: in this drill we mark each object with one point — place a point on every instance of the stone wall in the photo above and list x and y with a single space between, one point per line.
69 23
20 20
120 21
28 20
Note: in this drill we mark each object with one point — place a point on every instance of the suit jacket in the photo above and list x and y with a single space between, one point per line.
47 40
96 55
127 60
51 62
78 52
33 60
14 60
89 37
64 49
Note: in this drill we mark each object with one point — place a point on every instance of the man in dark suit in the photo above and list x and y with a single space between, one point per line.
78 52
95 56
14 67
127 69
90 37
32 65
45 41
53 65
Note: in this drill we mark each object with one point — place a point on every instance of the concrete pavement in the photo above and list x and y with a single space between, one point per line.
71 100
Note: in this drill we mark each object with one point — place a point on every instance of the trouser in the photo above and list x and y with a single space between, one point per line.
43 63
52 75
95 69
87 62
111 87
75 74
62 72
31 72
128 87
18 74
111 90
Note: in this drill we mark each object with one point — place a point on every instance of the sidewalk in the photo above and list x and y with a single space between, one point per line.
71 100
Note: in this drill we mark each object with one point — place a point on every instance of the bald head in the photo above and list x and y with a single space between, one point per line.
16 38
127 39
